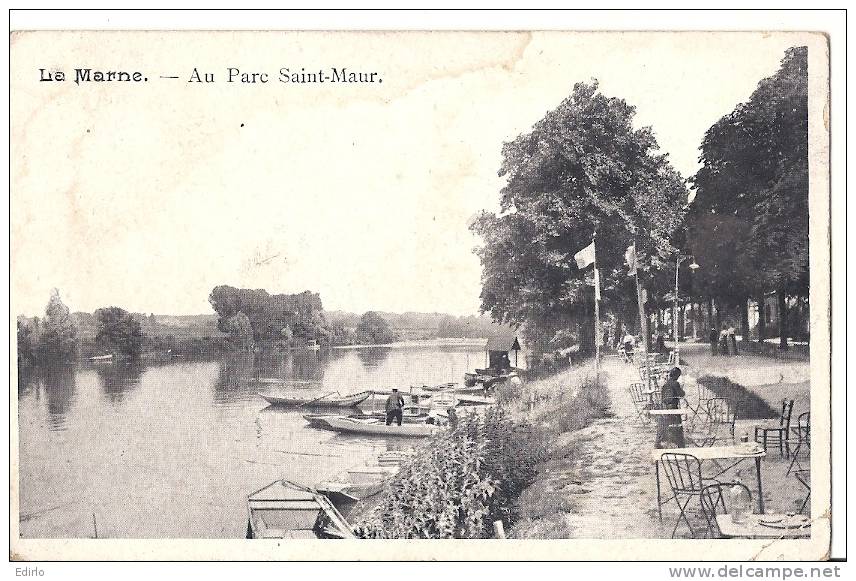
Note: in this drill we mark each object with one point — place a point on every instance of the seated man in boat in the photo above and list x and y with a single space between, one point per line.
394 407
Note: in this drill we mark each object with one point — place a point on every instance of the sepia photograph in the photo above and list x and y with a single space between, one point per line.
284 295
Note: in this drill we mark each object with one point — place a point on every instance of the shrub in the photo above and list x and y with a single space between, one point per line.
458 484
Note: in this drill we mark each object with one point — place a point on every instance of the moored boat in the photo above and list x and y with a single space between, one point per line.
333 400
286 510
371 427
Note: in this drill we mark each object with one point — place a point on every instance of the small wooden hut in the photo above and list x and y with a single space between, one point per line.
498 349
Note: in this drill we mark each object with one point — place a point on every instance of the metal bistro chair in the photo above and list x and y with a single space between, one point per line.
641 401
713 503
684 474
777 435
803 434
719 413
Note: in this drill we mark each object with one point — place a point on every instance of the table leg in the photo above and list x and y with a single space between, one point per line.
760 488
659 504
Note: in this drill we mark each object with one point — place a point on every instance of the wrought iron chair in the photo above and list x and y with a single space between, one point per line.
803 434
642 402
804 478
683 472
777 435
719 414
713 503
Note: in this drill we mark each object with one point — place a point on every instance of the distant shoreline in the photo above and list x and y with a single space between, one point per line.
444 341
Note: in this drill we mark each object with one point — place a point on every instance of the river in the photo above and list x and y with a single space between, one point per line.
171 450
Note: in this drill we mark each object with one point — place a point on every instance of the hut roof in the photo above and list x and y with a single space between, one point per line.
503 342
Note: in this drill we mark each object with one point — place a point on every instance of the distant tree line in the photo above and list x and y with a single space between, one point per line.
253 316
57 337
585 169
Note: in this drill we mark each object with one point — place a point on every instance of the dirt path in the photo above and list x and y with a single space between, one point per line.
605 475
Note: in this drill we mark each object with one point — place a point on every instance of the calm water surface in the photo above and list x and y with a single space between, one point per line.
173 450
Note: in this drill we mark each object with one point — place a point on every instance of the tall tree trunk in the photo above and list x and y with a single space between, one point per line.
744 319
762 319
783 320
682 319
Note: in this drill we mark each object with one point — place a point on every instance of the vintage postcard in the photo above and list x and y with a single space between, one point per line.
493 295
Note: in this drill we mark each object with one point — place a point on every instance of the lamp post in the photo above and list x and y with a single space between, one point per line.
693 266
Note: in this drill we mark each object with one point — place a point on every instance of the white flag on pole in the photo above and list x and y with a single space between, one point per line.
585 256
630 259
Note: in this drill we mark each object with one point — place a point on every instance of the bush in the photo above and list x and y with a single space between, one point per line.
462 481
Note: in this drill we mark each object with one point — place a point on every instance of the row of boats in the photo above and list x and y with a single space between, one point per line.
285 509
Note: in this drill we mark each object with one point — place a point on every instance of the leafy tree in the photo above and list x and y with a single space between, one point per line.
27 339
755 170
240 331
582 169
58 337
119 332
269 314
373 329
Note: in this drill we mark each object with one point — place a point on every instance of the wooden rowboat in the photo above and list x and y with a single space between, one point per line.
330 401
286 510
377 428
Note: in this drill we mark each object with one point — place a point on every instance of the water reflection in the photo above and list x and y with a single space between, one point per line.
58 383
373 356
233 382
119 379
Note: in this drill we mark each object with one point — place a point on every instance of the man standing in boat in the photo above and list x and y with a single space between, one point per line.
394 407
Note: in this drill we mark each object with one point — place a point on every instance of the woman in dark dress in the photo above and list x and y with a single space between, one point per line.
670 428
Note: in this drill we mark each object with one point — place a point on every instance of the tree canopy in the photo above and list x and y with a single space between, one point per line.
57 333
119 332
583 169
270 315
755 172
374 330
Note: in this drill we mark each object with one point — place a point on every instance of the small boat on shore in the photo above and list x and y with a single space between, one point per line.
440 387
373 427
356 484
286 510
331 400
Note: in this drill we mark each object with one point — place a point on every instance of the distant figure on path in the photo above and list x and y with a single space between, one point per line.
723 340
394 407
670 428
714 340
661 343
629 342
732 341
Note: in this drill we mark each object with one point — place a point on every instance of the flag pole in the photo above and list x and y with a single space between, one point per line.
596 313
643 319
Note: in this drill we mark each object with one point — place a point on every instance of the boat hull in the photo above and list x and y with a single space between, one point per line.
367 428
328 402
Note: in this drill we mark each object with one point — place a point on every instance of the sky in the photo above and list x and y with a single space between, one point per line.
147 196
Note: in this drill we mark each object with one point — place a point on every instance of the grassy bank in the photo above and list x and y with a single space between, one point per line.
748 404
563 404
